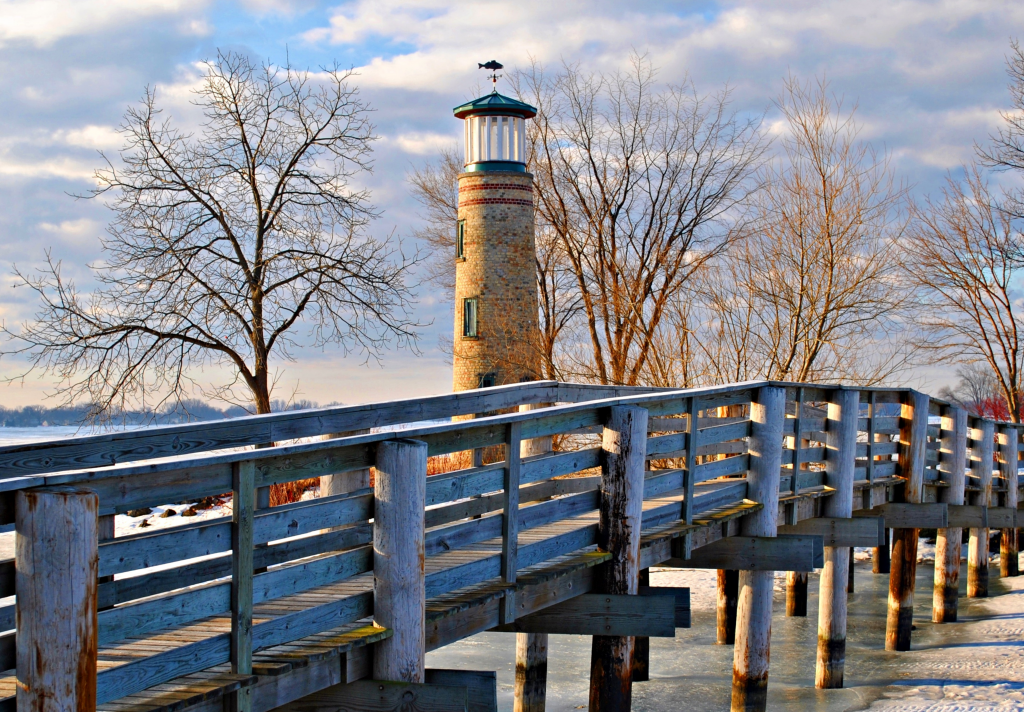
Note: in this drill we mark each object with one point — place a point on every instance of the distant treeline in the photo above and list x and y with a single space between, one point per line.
188 411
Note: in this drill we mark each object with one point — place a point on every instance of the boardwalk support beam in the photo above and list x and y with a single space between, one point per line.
622 485
982 452
399 590
57 569
1009 448
912 452
953 468
754 609
840 463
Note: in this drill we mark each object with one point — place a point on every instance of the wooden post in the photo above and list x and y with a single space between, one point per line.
342 482
728 592
840 462
880 555
243 512
796 593
641 643
399 590
851 583
510 520
953 464
912 451
57 564
982 452
531 648
796 581
1009 448
531 672
622 492
754 609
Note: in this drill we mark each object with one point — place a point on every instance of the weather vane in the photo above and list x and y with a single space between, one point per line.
494 66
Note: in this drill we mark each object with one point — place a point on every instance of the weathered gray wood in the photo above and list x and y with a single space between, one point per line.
754 609
966 515
604 614
953 464
482 686
905 515
841 441
531 672
242 515
624 444
399 585
57 530
913 437
532 648
1001 518
510 520
177 440
384 696
344 482
982 464
1009 454
754 553
682 600
836 531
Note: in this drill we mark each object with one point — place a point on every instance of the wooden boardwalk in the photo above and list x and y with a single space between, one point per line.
181 626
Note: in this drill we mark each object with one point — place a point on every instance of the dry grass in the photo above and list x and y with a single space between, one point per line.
291 491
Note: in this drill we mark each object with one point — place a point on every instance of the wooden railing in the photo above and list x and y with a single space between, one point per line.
216 582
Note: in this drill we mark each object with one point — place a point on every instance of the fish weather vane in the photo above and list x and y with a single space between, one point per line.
493 66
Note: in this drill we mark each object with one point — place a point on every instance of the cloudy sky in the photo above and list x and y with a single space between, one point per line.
928 78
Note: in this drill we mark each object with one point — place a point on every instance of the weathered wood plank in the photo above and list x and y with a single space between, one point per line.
384 696
481 685
839 531
906 515
749 553
603 614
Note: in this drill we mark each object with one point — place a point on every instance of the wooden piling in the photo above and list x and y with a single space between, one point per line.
754 606
531 672
796 594
57 563
399 591
912 452
953 467
531 648
621 504
880 563
840 462
728 591
641 643
1009 449
982 451
342 482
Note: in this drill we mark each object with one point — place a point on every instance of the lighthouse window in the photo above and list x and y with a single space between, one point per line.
469 317
460 239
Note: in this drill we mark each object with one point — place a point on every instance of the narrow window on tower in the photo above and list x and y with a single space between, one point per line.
460 240
469 317
487 380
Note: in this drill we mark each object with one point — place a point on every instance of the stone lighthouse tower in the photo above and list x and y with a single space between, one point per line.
495 272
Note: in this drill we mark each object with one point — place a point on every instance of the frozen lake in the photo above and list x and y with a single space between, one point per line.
975 664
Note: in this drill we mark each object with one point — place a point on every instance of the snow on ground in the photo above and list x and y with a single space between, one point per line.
982 669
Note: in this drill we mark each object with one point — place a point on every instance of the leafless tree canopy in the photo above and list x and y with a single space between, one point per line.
636 182
435 187
812 290
966 255
224 241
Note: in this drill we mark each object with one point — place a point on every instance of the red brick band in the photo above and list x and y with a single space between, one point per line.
497 186
495 201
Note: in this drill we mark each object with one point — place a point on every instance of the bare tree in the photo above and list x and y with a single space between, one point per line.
812 291
966 255
224 242
1006 148
637 181
435 186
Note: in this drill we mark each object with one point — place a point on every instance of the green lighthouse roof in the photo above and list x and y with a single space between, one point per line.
495 103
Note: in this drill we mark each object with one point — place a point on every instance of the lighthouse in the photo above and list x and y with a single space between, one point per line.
495 272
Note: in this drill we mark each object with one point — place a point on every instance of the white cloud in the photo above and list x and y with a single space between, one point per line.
97 137
422 143
44 21
81 232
